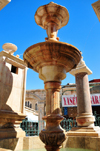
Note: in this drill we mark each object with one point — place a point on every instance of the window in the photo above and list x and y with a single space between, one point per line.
26 104
14 69
36 106
30 105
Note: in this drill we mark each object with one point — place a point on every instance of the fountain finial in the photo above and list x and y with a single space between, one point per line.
52 17
51 2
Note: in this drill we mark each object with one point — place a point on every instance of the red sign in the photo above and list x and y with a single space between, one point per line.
71 100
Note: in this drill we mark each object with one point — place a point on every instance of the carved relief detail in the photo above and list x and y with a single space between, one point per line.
55 139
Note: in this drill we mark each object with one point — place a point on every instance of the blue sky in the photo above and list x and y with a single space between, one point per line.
17 25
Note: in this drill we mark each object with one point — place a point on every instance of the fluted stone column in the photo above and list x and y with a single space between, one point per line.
85 119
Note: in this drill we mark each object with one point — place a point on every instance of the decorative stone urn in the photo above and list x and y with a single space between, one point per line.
52 59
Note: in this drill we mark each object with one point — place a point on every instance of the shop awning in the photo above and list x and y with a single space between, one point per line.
31 117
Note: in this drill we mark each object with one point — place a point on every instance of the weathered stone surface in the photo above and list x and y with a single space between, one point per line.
2 149
92 143
85 119
84 110
96 7
3 3
51 12
80 68
32 143
22 143
52 53
12 82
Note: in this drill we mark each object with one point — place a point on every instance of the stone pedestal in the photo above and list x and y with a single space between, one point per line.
85 119
12 92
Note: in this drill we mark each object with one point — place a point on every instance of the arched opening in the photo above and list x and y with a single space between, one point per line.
26 103
30 105
36 106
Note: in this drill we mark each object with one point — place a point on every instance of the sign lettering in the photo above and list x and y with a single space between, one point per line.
71 100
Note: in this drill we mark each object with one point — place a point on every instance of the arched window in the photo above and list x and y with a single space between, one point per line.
30 105
36 106
26 104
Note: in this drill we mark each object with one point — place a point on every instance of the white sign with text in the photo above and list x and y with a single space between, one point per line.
71 100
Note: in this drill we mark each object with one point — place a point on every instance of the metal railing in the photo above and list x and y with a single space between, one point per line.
67 124
33 129
97 119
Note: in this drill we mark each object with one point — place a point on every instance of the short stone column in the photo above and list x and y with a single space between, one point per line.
85 119
52 97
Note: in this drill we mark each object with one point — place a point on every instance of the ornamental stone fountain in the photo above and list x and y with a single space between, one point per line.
52 59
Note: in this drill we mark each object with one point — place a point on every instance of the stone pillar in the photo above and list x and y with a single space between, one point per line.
53 135
52 97
85 119
84 110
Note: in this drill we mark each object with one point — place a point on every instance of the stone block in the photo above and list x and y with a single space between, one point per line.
65 143
32 142
1 143
79 142
6 143
12 143
70 142
98 144
74 142
37 143
2 149
82 142
91 143
25 143
19 144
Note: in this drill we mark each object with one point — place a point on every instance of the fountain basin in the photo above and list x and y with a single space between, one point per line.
52 53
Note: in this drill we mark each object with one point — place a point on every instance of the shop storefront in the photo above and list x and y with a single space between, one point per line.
69 103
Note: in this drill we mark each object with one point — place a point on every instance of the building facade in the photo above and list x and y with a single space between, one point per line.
35 99
69 90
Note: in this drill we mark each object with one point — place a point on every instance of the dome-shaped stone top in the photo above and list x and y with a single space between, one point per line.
51 12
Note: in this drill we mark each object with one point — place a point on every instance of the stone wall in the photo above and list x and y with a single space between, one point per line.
33 142
22 143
